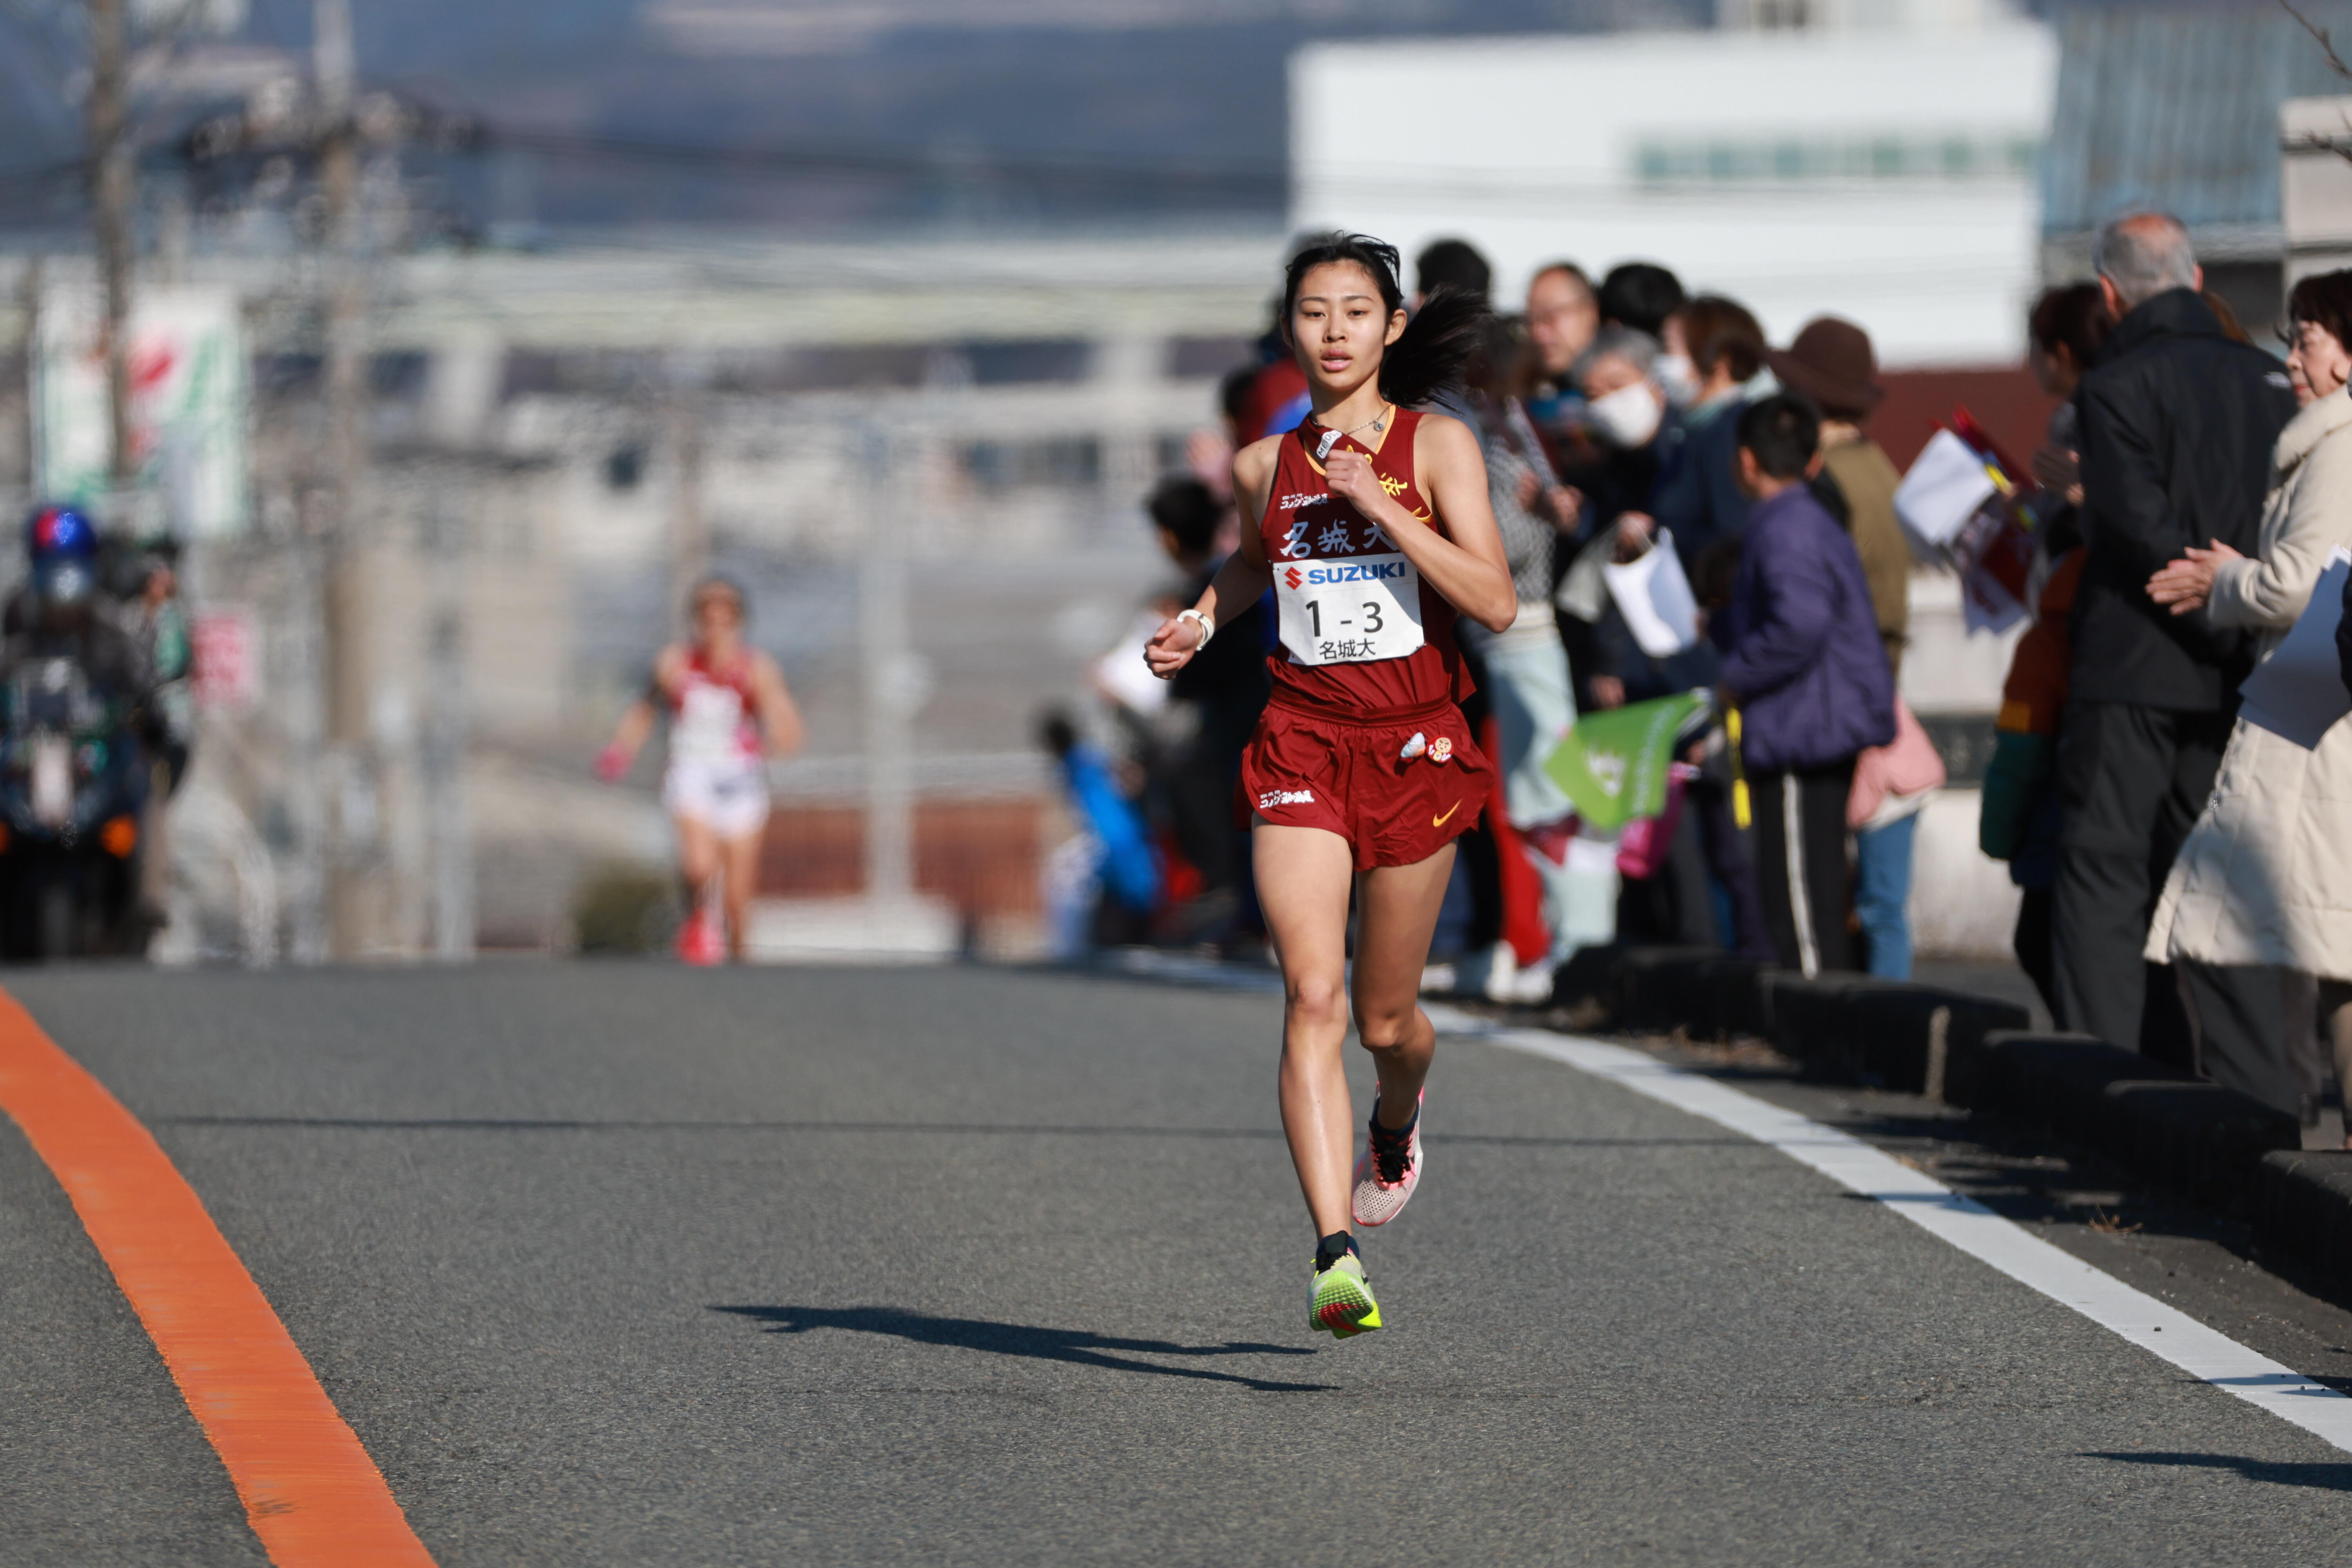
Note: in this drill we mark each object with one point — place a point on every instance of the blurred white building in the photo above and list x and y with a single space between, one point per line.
1874 162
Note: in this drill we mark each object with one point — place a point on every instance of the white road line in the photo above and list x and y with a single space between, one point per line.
2164 1331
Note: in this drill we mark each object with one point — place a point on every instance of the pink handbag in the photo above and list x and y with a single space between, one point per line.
1642 846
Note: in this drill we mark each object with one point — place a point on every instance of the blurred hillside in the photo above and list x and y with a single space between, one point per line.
856 112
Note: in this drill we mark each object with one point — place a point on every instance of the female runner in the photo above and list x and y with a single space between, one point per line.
729 712
1371 524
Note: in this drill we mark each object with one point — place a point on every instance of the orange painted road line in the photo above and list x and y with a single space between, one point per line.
310 1489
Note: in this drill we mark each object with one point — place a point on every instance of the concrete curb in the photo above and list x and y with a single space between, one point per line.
2305 1211
1916 1039
2208 1144
2199 1140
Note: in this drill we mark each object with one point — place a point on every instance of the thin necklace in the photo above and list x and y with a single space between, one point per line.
1331 438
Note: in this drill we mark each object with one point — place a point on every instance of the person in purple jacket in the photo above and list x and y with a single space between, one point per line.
1804 664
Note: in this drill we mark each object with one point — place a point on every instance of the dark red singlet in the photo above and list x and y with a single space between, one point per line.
1305 522
1375 751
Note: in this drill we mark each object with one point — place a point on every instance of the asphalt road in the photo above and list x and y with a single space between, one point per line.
626 1264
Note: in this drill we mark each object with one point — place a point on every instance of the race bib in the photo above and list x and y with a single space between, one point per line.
1348 610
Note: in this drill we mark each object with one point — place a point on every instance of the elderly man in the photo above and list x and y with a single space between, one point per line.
1562 316
2177 427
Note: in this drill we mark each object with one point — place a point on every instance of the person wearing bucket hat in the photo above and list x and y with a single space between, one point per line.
1833 363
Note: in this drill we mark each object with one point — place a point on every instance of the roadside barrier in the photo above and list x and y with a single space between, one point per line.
2208 1145
2198 1140
1917 1038
2305 1212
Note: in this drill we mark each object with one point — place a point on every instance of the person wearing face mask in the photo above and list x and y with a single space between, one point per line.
1628 417
1677 377
1698 494
1625 411
2264 879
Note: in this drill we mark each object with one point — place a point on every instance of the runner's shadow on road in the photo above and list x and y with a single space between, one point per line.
1077 1346
2332 1478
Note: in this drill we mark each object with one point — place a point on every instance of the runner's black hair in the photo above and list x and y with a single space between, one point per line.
1437 345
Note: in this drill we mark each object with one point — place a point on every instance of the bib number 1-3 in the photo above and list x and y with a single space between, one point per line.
1351 610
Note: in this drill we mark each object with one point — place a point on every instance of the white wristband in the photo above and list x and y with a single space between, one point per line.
1208 627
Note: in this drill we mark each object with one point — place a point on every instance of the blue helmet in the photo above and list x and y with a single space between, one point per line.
59 531
64 548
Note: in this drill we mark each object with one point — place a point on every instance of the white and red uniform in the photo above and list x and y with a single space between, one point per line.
718 769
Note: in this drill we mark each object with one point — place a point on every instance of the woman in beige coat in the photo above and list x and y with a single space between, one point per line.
2265 877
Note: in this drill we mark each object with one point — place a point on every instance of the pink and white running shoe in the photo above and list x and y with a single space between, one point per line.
1388 1170
699 940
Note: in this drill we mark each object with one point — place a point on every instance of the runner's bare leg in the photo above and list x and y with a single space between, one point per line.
698 860
1303 880
1396 914
740 858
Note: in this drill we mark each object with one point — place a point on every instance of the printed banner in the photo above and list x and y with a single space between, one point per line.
186 360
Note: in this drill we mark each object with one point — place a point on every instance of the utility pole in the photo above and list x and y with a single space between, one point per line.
111 191
689 536
892 680
29 307
348 682
444 757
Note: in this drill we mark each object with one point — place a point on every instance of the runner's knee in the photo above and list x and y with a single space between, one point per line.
1383 1028
1317 999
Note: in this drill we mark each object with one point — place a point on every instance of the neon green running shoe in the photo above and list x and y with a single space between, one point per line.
1341 1300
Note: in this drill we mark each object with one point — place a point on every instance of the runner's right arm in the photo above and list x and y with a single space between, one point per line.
1242 580
636 719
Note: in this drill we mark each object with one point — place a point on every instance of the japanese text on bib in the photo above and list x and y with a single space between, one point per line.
1351 610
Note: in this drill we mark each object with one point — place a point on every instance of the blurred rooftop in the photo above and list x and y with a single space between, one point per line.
2178 107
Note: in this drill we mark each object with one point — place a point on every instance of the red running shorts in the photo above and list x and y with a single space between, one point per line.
1350 777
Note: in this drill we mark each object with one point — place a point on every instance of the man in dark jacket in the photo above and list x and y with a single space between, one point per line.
1803 663
2177 427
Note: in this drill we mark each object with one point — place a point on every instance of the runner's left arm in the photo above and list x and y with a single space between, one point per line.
1468 567
780 716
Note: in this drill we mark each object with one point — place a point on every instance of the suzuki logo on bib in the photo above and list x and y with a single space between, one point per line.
1352 571
1292 577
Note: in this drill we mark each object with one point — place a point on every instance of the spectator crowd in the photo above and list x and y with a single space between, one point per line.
2185 868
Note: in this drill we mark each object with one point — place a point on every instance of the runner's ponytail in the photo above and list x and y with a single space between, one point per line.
1444 335
1439 343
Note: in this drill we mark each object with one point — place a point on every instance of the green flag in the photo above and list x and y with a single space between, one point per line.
1612 763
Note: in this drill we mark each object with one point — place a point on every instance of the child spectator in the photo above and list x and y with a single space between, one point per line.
1803 663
